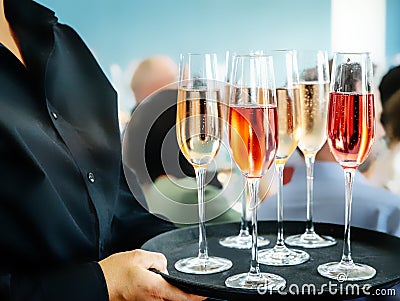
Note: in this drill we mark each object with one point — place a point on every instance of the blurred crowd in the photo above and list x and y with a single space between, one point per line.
377 187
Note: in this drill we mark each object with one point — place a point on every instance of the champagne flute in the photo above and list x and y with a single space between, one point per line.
199 124
351 133
243 239
289 130
314 92
252 138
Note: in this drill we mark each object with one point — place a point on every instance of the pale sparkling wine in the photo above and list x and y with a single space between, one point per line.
289 123
314 105
199 124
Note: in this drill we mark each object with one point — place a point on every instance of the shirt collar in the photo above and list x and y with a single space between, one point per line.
28 13
33 25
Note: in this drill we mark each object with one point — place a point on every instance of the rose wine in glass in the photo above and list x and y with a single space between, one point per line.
199 124
243 239
351 133
313 93
289 131
252 137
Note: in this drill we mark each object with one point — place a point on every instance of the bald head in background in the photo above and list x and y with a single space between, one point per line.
153 74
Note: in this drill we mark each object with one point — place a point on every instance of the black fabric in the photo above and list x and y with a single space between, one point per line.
79 282
379 250
64 201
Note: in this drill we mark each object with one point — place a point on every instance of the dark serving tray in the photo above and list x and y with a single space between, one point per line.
379 250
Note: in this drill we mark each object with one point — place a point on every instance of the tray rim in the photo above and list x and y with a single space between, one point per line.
232 293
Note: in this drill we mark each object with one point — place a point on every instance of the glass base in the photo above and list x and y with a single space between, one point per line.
346 272
195 265
282 256
242 242
264 283
310 240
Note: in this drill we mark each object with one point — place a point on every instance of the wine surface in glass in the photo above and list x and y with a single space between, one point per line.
351 129
289 126
314 105
198 129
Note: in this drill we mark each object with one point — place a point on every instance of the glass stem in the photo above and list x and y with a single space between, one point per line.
200 176
280 241
310 159
253 185
349 179
244 229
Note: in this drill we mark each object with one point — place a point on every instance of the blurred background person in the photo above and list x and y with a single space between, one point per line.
153 74
166 177
379 148
153 84
389 84
391 119
381 168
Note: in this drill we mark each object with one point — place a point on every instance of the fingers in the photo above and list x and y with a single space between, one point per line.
169 292
147 260
127 274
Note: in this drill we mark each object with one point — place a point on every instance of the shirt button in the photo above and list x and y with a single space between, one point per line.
55 116
91 177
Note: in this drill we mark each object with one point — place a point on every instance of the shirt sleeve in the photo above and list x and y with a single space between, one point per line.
61 284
